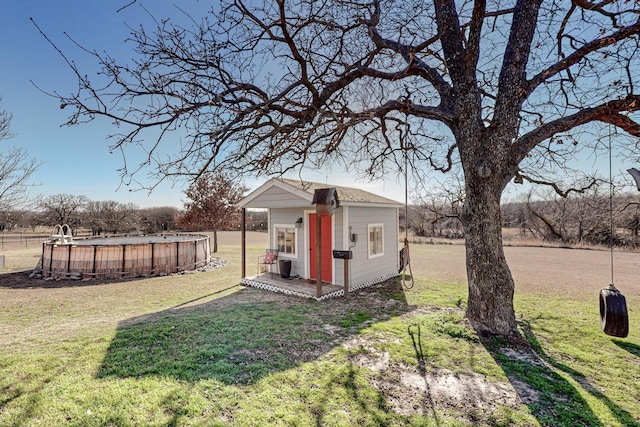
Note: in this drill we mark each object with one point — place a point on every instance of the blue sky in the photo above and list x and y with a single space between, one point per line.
76 160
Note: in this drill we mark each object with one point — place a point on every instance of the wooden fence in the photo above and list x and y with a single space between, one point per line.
18 241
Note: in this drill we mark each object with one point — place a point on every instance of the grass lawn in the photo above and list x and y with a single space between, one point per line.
198 349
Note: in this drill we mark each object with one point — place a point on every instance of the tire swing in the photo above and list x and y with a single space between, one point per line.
613 312
614 318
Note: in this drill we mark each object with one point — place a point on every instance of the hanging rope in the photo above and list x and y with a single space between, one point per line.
614 318
611 229
406 259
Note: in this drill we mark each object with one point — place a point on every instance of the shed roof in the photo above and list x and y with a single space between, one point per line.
300 193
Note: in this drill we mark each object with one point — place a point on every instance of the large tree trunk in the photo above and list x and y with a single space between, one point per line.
491 286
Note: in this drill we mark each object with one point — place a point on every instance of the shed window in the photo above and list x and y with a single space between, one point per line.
376 241
286 239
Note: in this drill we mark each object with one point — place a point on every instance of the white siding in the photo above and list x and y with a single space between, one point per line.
288 217
276 197
363 268
338 239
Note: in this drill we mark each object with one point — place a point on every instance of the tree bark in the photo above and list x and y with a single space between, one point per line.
483 154
215 241
491 285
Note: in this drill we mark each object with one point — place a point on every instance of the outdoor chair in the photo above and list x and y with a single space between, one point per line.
268 260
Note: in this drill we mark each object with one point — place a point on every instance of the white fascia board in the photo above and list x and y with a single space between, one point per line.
370 205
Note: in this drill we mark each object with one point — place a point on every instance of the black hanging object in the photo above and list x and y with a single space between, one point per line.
613 312
326 201
635 173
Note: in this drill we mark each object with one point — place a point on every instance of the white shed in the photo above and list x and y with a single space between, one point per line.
364 225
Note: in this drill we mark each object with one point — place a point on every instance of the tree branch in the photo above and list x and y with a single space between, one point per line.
581 53
609 112
555 186
512 78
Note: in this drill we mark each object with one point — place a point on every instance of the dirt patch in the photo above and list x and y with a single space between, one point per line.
412 390
462 391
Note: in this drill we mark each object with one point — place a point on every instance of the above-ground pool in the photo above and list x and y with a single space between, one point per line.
120 257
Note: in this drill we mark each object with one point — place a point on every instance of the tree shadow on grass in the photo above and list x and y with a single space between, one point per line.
27 392
538 378
242 337
347 382
630 347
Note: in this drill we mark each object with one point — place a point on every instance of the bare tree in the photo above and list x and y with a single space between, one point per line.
92 218
5 125
119 217
439 209
158 219
111 217
16 168
212 205
63 209
630 219
591 217
420 220
496 89
32 219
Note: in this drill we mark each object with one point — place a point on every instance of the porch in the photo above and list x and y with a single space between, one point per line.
293 286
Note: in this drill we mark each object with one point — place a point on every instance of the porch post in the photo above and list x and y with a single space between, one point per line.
318 254
346 277
243 244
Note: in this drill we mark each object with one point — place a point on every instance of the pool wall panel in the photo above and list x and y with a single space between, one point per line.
116 261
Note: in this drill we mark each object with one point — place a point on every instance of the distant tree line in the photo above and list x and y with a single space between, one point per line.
580 219
575 220
110 217
99 217
592 218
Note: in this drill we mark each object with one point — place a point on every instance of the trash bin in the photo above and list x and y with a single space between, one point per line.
285 268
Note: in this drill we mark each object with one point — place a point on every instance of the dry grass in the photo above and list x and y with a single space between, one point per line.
22 258
197 349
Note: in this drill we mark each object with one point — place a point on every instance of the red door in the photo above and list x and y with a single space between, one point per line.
325 248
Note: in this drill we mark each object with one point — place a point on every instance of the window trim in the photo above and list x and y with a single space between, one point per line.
371 227
277 227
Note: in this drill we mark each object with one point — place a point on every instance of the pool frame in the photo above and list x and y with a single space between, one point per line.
119 257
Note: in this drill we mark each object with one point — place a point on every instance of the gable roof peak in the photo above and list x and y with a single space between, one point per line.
346 195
